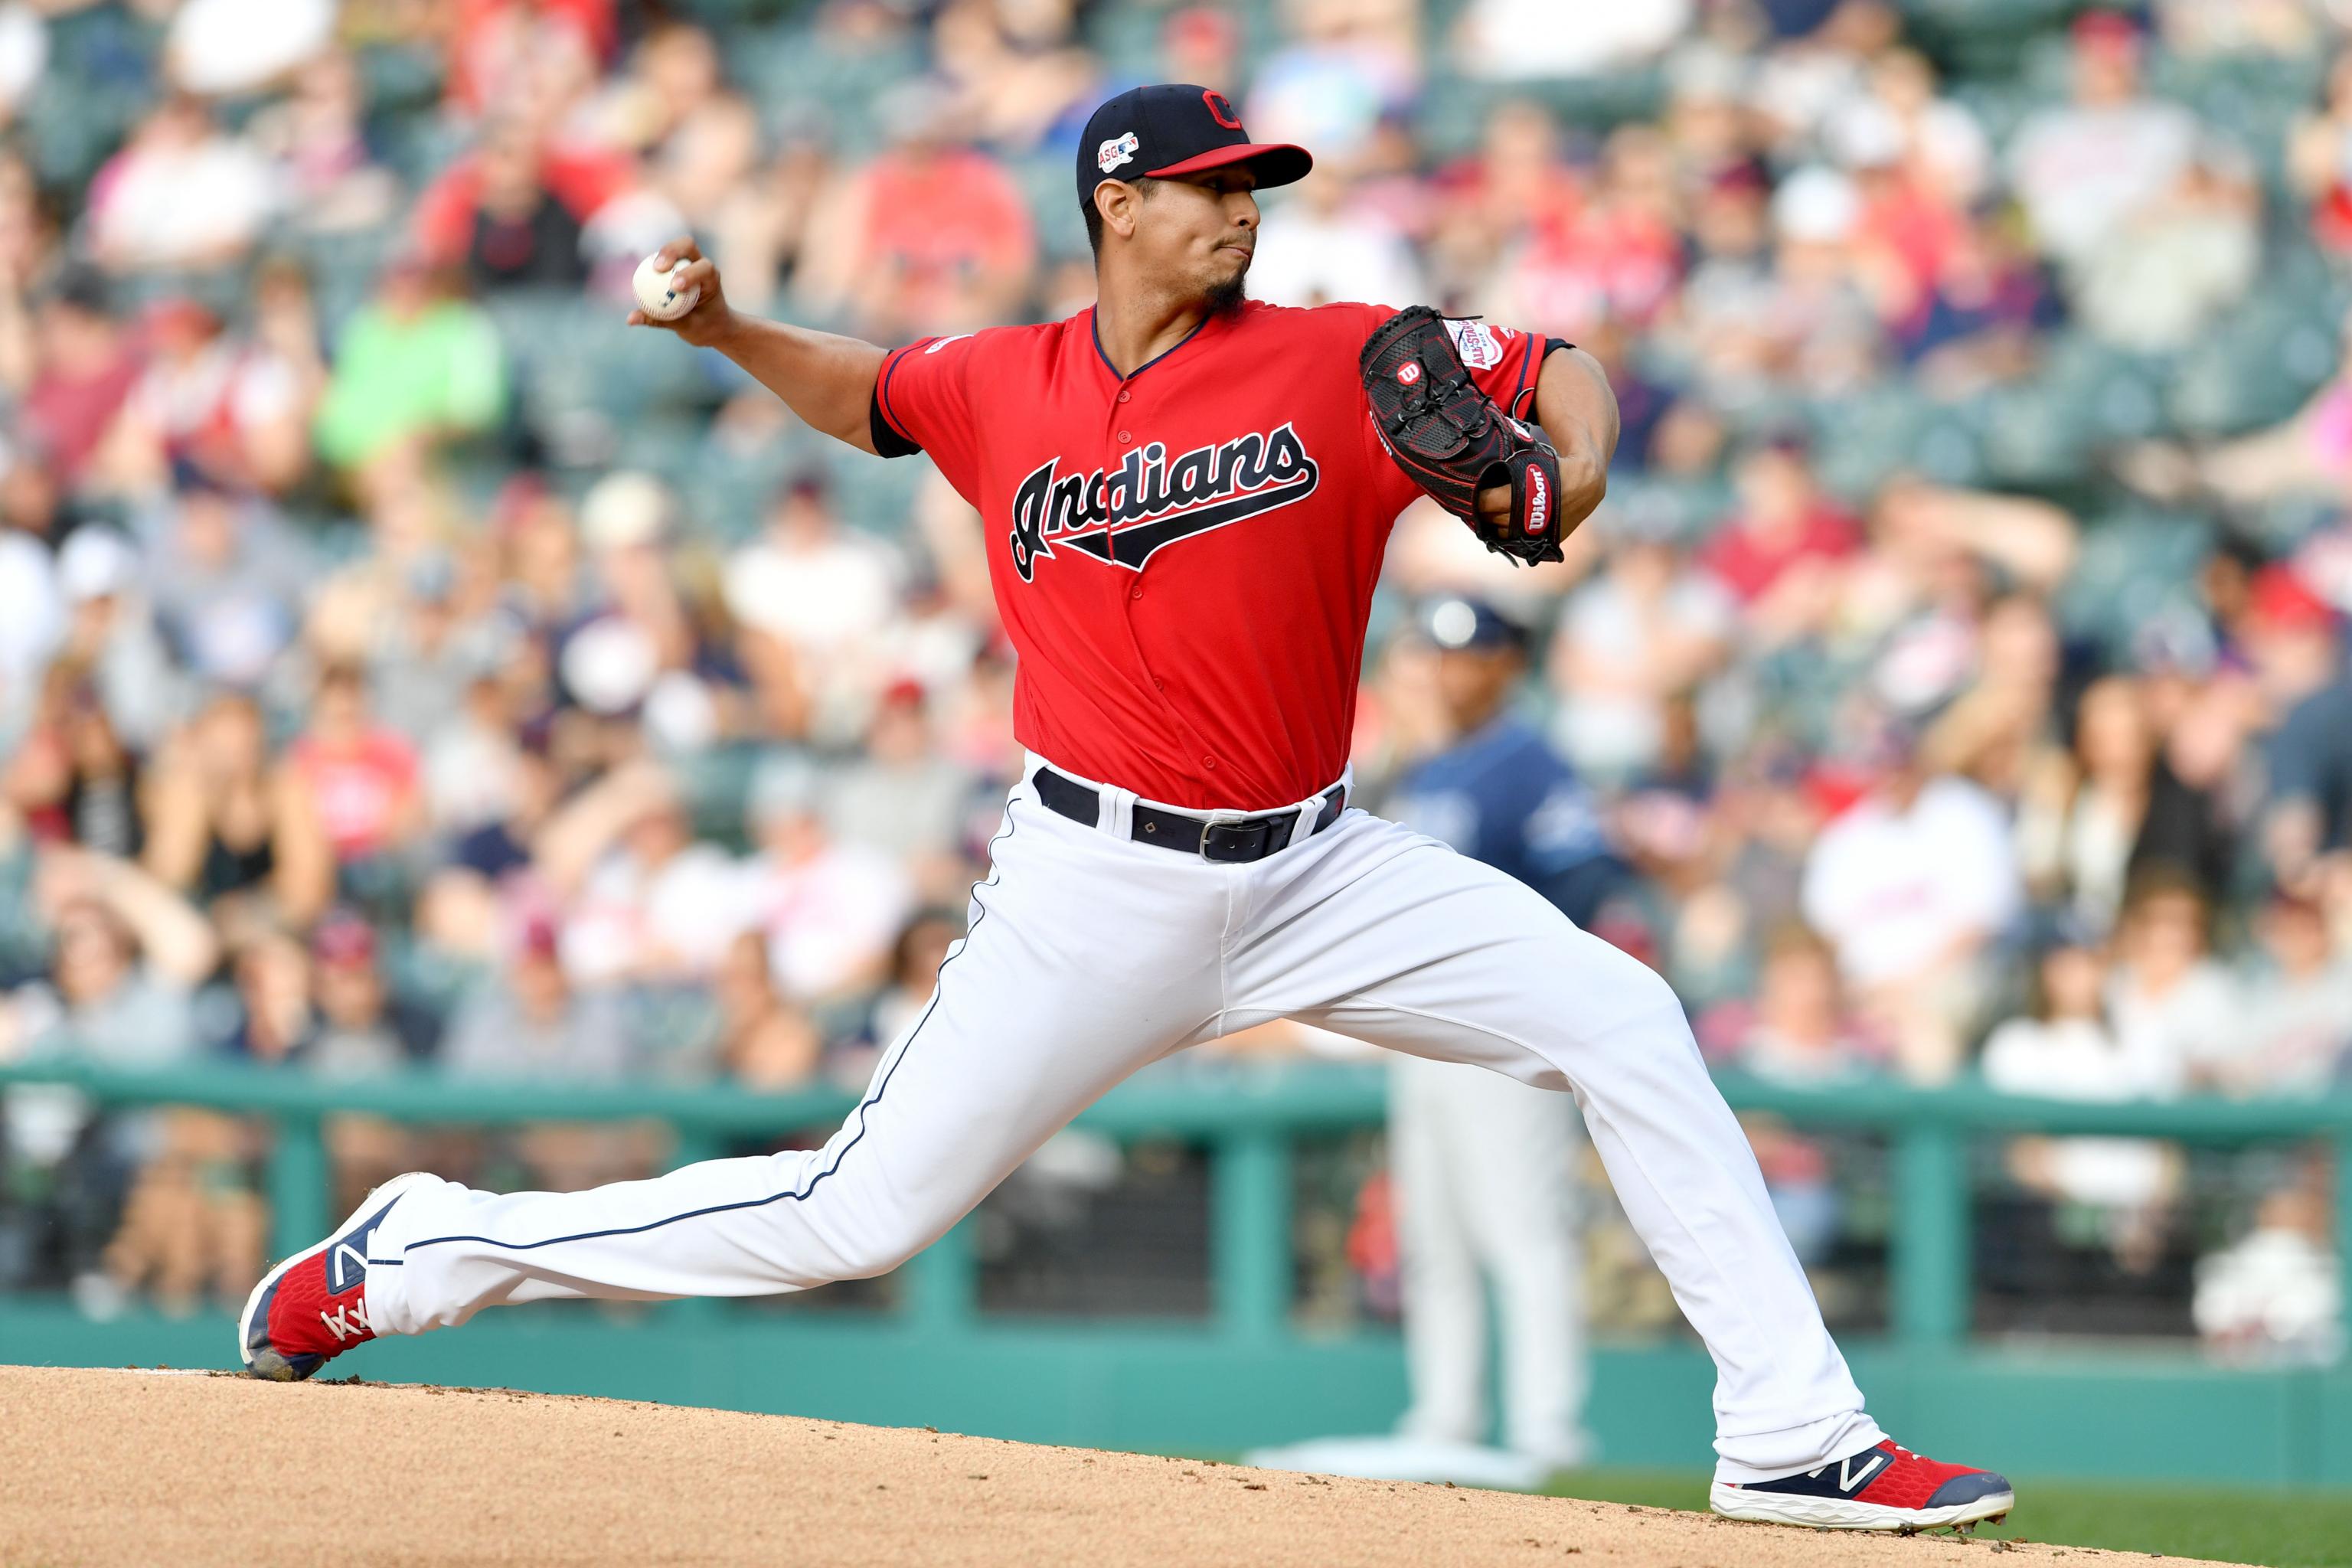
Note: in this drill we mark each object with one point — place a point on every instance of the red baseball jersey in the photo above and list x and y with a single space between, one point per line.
1183 557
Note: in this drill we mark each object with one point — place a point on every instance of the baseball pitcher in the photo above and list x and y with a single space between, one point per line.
1186 496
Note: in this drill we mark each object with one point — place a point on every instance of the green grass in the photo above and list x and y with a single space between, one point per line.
2276 1528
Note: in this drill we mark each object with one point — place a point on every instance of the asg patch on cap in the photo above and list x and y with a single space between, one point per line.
1175 129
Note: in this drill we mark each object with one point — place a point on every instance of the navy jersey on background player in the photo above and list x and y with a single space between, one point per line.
1501 794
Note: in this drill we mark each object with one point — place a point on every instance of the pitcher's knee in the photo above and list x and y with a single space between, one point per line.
801 1257
1610 982
826 1223
878 1252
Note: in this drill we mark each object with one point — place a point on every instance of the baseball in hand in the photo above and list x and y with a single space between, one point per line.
660 302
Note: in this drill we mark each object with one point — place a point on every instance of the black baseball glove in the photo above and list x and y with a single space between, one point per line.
1452 440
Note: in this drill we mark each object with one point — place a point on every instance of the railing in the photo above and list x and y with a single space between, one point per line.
1248 1115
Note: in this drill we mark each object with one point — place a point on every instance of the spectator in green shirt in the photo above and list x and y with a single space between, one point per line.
416 362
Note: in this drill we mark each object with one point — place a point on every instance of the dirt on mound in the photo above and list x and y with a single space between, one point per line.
194 1468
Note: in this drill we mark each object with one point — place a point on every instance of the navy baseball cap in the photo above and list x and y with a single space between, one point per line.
1158 133
1456 624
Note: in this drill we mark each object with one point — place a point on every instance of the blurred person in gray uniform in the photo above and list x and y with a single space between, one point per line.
1484 1165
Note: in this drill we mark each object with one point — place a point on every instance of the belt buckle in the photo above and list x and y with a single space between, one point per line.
1252 834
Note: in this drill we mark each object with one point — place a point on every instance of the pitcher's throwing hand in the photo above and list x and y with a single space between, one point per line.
703 324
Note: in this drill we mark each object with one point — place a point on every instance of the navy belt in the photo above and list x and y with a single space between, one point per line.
1228 837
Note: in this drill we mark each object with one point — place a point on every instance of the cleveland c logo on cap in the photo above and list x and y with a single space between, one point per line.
1220 111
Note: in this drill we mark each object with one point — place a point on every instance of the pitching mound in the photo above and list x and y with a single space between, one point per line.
192 1469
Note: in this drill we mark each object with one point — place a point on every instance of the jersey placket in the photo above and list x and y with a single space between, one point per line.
1126 431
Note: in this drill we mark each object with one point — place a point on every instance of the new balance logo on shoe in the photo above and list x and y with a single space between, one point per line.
342 1326
347 1265
1852 1481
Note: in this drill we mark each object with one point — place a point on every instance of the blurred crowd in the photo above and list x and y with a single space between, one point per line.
401 663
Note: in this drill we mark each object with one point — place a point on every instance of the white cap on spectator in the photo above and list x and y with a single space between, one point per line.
1864 134
220 47
679 713
610 665
1817 206
625 510
96 563
23 53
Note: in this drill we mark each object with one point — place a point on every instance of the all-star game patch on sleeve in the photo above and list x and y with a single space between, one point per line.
922 404
1503 361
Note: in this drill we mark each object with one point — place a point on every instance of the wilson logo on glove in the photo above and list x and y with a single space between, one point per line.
1408 373
1538 500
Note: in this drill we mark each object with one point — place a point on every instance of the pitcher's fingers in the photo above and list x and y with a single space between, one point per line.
696 274
638 318
682 247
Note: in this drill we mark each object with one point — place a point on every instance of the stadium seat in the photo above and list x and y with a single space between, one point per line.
2256 367
1949 448
789 69
2131 565
1861 440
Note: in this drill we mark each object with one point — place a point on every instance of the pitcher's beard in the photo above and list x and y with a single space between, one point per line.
1225 298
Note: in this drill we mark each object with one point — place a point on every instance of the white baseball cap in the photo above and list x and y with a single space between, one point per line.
1816 206
623 510
96 563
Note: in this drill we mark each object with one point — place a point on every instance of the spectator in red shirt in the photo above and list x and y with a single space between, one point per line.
236 410
1516 183
932 236
1779 551
1620 257
513 210
1906 235
494 43
358 779
84 369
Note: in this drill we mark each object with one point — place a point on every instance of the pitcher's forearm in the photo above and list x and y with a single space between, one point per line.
827 380
1576 409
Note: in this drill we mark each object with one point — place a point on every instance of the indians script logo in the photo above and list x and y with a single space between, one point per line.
1122 515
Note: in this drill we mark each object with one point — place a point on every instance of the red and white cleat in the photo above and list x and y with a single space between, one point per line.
313 1307
1885 1487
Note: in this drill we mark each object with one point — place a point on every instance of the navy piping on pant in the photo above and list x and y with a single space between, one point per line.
938 980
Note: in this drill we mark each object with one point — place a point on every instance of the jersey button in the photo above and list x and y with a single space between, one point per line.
1125 436
1158 684
1209 763
1136 592
1124 394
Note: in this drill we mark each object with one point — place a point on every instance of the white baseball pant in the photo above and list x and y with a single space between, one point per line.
1089 955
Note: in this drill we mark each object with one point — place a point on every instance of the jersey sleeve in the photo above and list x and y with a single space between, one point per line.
1503 361
922 404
